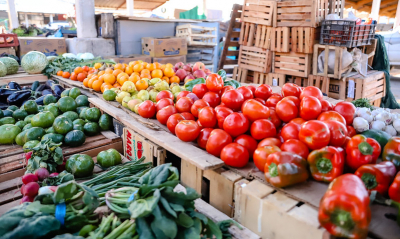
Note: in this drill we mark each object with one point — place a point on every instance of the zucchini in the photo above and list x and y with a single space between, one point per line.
35 85
380 136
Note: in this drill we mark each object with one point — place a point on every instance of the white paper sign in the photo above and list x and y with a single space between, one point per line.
274 82
350 91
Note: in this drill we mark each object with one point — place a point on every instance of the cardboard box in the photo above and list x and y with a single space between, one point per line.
129 58
49 46
160 47
169 59
8 50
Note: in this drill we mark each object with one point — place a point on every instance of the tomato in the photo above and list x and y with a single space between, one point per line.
312 91
199 124
295 100
273 100
338 132
217 141
188 116
273 117
315 134
295 146
212 99
298 121
147 109
208 117
261 154
184 104
332 115
263 91
262 128
187 130
197 106
290 131
347 110
233 99
248 142
252 88
193 97
200 90
214 82
225 89
310 108
290 89
164 94
182 94
236 124
260 100
222 113
164 103
286 110
254 110
203 137
173 120
165 113
246 92
350 131
326 106
235 155
270 142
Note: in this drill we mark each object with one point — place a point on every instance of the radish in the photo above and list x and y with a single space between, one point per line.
27 199
47 190
29 177
61 167
22 189
31 189
42 173
28 156
53 175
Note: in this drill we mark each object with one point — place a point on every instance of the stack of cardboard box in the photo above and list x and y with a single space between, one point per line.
165 50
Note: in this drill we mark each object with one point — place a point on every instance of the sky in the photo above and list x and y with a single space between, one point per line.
44 6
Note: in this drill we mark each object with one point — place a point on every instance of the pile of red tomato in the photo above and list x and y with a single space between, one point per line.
236 124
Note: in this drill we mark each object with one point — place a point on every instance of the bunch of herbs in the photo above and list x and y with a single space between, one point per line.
45 154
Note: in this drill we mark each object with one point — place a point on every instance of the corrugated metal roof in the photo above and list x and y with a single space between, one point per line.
387 8
138 4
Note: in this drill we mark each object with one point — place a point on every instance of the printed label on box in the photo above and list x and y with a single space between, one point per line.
274 82
130 144
350 91
334 88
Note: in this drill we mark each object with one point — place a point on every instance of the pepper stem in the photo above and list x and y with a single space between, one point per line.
369 181
324 165
273 170
365 148
342 219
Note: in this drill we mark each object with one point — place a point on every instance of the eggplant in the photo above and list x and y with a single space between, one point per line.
39 101
47 92
57 90
26 88
37 94
41 88
14 85
49 84
5 93
19 97
35 85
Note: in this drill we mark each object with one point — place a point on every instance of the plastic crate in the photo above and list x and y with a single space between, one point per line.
8 40
346 33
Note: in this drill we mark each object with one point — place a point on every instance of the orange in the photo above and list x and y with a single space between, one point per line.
81 77
118 66
78 70
157 73
121 75
138 68
165 78
117 71
66 74
104 86
150 67
101 73
133 63
174 79
157 65
136 73
129 70
116 85
141 85
90 82
109 70
163 67
169 72
59 73
73 76
107 87
134 78
97 85
169 65
109 78
125 65
145 76
85 82
122 80
145 71
91 71
85 68
97 65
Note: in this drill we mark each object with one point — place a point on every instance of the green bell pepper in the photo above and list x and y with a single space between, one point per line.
80 165
109 158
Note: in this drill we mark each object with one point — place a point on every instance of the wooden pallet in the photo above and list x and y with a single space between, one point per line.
300 81
280 39
203 54
294 64
336 7
271 79
197 35
321 82
259 12
263 37
231 45
242 75
23 78
301 13
255 59
356 86
303 39
338 69
248 34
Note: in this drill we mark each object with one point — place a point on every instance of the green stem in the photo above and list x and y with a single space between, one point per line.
324 165
365 148
273 170
369 181
343 220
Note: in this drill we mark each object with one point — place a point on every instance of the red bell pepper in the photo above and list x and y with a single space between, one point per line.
377 177
394 189
326 164
361 150
284 169
344 210
391 152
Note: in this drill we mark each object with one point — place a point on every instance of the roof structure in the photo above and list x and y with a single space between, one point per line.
121 4
388 7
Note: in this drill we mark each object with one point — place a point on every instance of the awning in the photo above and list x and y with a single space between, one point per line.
388 8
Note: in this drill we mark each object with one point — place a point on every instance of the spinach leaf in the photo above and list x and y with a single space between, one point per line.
167 207
146 189
143 229
156 175
212 230
184 220
233 83
162 225
68 236
177 207
222 73
200 216
12 217
143 207
189 86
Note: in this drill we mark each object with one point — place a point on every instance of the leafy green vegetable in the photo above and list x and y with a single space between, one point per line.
222 73
363 102
189 86
45 153
233 83
61 178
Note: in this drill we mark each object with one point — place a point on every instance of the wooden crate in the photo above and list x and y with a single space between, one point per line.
263 37
370 51
197 35
294 64
336 7
321 82
242 75
256 35
271 79
338 70
280 40
356 86
248 34
255 59
259 12
301 13
303 39
300 81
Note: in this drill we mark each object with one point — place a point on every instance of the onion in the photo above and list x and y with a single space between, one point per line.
384 116
42 173
368 116
390 130
396 125
360 124
378 125
362 110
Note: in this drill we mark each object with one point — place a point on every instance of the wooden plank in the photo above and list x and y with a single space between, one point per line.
4 208
23 78
300 13
259 12
10 184
191 176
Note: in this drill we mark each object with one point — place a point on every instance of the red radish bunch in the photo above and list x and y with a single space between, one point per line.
30 187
